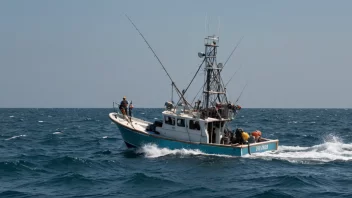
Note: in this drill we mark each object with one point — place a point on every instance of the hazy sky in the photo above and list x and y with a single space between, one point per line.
86 53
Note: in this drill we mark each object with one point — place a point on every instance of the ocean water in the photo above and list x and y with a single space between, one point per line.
80 153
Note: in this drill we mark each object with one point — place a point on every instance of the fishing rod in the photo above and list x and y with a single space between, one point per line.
232 76
238 43
145 40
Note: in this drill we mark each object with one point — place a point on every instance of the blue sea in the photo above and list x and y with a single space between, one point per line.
80 153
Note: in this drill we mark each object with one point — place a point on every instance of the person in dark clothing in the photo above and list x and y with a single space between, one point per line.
130 107
123 106
213 138
238 135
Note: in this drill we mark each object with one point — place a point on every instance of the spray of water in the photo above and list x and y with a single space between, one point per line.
153 151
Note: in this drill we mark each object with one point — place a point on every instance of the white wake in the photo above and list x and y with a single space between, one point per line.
333 149
153 151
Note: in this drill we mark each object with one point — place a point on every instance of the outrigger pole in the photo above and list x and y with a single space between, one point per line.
145 40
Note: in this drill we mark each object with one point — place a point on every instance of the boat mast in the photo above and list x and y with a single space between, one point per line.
214 89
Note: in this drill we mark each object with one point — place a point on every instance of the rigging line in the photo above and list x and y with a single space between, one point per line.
172 93
182 97
232 76
241 93
200 66
195 75
145 40
202 87
233 51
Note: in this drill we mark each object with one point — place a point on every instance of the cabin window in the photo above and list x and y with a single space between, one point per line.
181 122
194 125
169 120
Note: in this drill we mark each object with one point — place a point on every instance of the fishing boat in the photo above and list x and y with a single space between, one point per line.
203 125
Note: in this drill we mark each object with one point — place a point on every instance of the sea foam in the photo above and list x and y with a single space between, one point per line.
332 149
14 137
153 151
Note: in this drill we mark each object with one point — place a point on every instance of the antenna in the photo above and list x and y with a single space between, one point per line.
218 26
205 25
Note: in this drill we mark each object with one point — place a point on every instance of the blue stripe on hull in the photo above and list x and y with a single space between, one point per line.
136 139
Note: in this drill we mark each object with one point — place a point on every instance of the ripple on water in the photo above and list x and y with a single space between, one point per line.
273 193
142 178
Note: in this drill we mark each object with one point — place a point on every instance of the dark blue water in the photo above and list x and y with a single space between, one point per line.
80 153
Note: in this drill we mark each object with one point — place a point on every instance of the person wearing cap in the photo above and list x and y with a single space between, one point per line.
123 105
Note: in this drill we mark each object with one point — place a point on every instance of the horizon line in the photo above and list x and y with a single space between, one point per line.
163 108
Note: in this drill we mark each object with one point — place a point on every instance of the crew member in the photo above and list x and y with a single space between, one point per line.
238 134
123 106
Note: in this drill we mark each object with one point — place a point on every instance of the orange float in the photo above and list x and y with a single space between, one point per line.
256 133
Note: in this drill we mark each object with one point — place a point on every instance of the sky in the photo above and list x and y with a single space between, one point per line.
86 54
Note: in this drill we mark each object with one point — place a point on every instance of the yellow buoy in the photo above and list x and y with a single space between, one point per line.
245 136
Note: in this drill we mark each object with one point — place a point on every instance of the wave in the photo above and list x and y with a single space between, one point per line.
272 193
105 152
190 192
71 179
11 168
150 180
333 149
68 163
57 133
14 137
14 193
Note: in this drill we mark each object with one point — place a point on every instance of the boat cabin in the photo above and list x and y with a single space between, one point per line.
184 127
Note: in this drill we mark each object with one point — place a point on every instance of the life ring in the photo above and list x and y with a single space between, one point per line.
256 133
